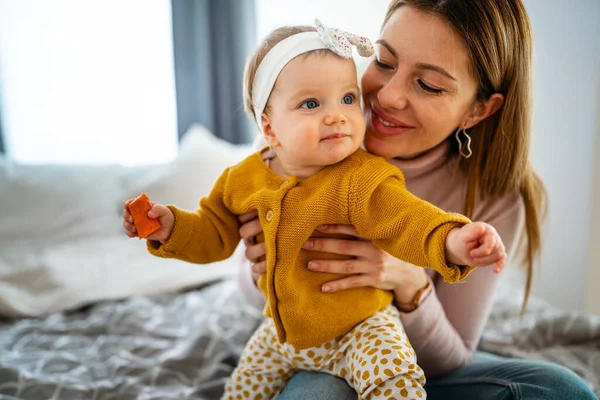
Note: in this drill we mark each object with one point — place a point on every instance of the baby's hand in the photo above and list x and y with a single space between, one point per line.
164 216
476 244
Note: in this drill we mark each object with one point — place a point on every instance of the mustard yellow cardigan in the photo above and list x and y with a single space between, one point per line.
363 190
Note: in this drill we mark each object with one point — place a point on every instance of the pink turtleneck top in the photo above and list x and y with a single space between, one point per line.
447 326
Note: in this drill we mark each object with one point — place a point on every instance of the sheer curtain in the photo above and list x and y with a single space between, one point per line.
212 41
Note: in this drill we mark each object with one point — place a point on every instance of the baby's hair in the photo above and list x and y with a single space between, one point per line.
259 54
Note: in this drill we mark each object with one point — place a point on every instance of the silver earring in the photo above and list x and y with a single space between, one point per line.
469 152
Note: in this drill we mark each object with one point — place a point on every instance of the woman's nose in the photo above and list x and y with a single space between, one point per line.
393 95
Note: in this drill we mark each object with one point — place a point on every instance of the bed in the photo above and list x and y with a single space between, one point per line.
88 314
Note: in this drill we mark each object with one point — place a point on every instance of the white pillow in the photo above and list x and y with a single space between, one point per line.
191 176
40 200
61 240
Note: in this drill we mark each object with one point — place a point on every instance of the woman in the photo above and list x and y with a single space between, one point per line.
447 99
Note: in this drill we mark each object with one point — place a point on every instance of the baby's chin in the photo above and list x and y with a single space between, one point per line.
339 153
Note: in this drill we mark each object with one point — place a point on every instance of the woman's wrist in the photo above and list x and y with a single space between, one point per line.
419 297
406 292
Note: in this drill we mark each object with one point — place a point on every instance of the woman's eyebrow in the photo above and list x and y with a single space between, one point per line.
436 69
429 67
385 44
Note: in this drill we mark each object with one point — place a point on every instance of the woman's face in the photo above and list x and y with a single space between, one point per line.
418 88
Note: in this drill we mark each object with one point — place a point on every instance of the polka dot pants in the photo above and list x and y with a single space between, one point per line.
375 358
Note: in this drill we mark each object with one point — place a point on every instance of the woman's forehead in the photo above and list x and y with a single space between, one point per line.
419 37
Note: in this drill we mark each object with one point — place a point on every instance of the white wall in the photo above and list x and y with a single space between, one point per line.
567 99
350 15
593 281
566 82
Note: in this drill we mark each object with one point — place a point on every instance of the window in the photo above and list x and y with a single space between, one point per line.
87 82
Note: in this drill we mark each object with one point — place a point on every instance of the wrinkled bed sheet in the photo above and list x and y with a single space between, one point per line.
184 346
180 346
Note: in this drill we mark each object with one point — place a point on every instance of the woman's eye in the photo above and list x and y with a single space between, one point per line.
382 65
310 104
429 89
348 99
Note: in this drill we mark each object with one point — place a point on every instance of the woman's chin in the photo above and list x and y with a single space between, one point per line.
378 147
388 149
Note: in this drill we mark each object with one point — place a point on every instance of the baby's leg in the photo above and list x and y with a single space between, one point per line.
379 360
262 370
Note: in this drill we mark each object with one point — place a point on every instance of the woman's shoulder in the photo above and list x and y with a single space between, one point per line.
445 184
505 212
491 207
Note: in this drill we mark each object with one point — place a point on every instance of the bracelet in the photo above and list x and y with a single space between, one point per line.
419 298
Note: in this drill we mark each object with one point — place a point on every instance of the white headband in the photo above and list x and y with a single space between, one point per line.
285 51
277 58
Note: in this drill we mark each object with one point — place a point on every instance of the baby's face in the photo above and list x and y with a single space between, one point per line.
315 112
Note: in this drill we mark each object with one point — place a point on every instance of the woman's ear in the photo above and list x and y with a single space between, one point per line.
484 109
268 131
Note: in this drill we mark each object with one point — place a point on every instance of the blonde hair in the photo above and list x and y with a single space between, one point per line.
498 36
259 54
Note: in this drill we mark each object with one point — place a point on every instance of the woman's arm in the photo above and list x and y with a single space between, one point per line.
250 227
247 283
250 270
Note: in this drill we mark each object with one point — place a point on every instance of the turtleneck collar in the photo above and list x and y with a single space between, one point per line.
424 163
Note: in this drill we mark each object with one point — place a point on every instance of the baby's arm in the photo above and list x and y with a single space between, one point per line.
383 210
205 235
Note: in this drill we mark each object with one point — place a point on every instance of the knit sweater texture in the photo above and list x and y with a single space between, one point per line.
362 190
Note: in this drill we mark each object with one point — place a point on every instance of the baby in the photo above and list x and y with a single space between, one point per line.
303 92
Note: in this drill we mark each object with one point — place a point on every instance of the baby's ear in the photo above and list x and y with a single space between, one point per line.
268 131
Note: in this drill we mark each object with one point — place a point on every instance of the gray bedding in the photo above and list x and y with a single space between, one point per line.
165 347
545 333
184 346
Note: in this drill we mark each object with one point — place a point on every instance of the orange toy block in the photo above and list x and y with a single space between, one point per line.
138 209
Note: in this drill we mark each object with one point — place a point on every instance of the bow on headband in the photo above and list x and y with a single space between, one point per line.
340 42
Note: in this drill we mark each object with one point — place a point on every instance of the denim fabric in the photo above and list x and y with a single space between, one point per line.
487 376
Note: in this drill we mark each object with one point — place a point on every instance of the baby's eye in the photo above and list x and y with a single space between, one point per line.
310 104
348 99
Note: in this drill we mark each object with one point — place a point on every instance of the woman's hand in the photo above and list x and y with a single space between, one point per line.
370 267
255 252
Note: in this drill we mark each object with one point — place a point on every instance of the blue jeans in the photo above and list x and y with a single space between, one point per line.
486 377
